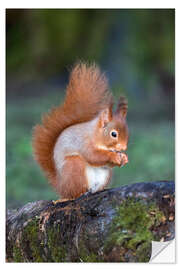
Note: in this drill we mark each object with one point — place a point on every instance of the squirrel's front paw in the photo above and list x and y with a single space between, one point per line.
124 159
120 159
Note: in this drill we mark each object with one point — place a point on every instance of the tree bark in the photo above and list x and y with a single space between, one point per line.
114 225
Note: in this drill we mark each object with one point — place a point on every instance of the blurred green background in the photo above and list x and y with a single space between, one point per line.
135 47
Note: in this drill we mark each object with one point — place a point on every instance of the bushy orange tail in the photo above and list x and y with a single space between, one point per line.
87 94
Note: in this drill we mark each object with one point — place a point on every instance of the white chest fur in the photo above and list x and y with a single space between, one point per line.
97 177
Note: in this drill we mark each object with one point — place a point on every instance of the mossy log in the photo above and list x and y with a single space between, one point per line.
114 225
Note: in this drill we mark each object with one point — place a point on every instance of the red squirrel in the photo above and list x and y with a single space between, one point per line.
80 141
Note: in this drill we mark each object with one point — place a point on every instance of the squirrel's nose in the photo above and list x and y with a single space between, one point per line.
121 147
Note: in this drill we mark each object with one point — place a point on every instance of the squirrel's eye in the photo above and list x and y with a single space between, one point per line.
114 134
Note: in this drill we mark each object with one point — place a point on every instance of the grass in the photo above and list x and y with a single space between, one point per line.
150 151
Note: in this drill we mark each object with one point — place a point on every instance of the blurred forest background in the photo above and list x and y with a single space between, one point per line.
136 49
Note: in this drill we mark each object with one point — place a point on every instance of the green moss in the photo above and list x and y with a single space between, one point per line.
85 253
28 243
131 228
17 256
33 246
58 253
86 256
31 241
89 257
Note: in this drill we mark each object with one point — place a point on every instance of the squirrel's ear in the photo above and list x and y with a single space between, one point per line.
122 107
105 117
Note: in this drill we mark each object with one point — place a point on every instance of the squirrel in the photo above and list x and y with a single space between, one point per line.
80 141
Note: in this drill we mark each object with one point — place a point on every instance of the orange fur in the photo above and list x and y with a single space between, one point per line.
87 94
99 157
73 182
122 107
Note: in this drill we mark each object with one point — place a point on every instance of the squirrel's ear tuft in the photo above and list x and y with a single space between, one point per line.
122 107
105 117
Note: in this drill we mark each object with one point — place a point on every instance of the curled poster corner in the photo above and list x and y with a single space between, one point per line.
163 252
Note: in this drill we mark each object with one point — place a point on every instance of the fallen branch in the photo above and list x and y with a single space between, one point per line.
114 225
